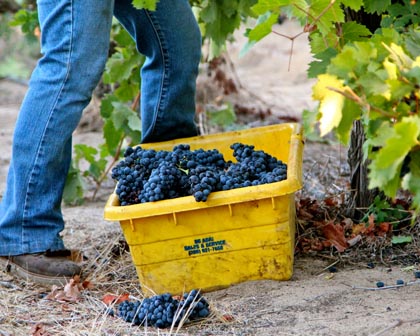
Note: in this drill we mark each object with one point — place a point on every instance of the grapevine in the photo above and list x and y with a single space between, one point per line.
364 73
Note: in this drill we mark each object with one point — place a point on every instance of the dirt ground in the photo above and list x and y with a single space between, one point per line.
314 302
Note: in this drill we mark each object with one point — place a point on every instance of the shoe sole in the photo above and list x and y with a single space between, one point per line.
14 269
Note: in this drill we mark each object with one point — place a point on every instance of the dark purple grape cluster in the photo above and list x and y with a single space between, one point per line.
163 311
147 175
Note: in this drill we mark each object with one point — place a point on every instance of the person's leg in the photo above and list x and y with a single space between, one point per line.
171 41
74 43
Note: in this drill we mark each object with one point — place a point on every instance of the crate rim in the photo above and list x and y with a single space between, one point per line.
114 212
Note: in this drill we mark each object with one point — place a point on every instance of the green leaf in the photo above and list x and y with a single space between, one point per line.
404 15
320 63
309 123
264 6
353 31
122 114
351 112
344 64
401 239
74 187
145 4
127 91
86 152
119 67
218 24
122 37
245 8
96 168
377 133
106 105
353 4
112 136
263 27
414 74
247 47
412 42
353 60
374 85
411 181
127 120
320 42
209 13
26 19
399 90
376 6
331 15
230 8
222 117
386 164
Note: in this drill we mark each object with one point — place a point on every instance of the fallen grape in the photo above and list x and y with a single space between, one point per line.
162 311
380 284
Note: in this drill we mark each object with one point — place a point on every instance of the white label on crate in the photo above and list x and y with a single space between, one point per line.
205 245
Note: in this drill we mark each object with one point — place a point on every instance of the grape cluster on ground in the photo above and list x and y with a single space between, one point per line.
147 175
163 311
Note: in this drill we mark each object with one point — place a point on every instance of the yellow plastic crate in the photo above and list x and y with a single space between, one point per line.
235 236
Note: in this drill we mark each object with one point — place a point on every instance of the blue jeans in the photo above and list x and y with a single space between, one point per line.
74 42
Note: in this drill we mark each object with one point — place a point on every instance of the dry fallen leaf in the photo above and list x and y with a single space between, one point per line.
71 291
110 299
385 227
335 234
39 330
228 317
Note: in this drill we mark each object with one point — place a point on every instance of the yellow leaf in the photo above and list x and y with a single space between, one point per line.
416 62
391 69
331 102
399 56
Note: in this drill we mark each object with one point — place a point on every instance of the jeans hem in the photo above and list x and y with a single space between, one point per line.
33 247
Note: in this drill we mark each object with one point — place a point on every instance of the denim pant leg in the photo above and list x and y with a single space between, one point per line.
171 41
74 43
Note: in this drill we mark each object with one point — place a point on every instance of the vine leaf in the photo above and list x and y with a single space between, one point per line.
325 14
321 61
376 6
353 31
145 4
220 20
353 4
263 6
386 163
73 191
263 26
331 102
411 181
351 112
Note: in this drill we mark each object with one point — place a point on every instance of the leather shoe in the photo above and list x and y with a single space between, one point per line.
48 268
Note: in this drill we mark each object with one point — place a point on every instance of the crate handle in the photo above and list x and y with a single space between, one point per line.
273 203
132 225
175 219
230 210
